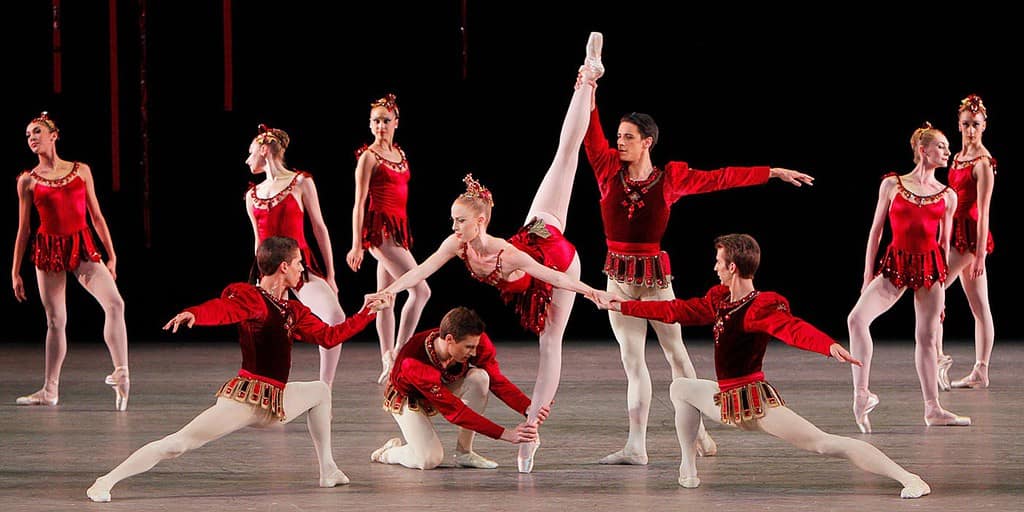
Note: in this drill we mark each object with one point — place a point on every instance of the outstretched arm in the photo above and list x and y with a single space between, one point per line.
237 303
309 328
21 240
311 203
445 252
98 221
364 169
516 259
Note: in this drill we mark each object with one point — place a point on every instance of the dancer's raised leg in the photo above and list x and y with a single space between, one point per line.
551 202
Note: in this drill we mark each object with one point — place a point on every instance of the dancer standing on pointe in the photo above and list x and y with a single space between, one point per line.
920 211
63 193
636 201
972 176
260 396
382 226
450 370
278 207
538 257
745 320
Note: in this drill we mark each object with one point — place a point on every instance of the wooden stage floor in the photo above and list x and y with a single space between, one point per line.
52 454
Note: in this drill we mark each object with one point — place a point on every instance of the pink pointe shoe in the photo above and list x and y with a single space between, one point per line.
977 379
119 381
945 363
37 398
592 68
862 406
524 460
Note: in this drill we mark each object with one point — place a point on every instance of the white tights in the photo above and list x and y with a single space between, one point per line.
692 397
96 279
423 449
393 261
631 333
227 416
318 296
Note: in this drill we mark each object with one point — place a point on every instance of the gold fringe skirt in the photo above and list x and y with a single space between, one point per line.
747 402
255 392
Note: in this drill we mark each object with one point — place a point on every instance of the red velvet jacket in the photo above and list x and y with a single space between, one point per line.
744 332
648 223
265 333
418 376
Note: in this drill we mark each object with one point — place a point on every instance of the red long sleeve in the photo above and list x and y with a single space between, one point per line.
309 328
427 380
237 303
681 180
695 311
603 157
770 314
504 389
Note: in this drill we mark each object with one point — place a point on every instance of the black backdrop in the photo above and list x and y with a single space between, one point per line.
835 94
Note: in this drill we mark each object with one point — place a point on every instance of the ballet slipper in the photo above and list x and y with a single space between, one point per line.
98 492
333 478
621 457
915 489
378 454
474 460
945 362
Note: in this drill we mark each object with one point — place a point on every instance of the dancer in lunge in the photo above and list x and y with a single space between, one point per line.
745 320
260 395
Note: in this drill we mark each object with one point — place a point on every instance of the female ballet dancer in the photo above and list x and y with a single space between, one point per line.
382 226
63 193
538 257
972 176
277 207
920 211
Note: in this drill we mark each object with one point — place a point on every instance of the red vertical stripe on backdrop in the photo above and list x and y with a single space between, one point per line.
55 4
115 93
147 227
228 64
465 41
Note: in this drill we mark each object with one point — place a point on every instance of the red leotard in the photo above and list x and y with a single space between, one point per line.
913 258
389 192
64 239
965 219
